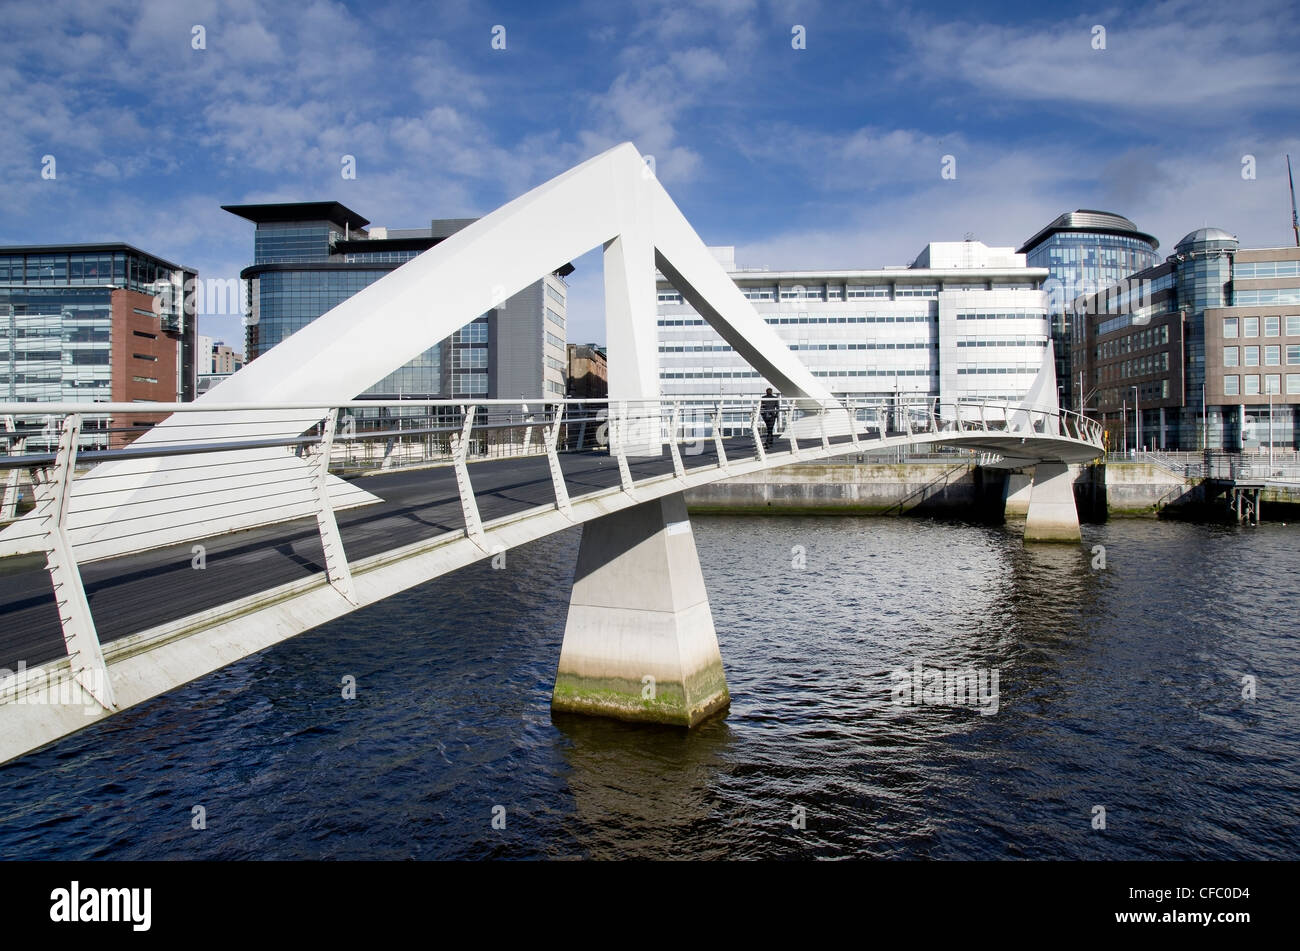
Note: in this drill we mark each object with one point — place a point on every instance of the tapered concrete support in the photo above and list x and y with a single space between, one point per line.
1019 485
1052 513
639 643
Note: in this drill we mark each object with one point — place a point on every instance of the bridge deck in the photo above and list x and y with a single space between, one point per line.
135 592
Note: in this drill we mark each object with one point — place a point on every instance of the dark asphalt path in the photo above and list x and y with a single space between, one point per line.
136 592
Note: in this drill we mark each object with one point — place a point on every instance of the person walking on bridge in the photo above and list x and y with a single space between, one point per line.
769 408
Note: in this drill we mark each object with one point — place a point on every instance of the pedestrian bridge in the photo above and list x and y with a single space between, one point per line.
277 502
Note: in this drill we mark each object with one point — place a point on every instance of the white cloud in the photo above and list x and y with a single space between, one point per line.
1190 59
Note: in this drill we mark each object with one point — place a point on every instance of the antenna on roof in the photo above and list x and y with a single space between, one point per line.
1295 222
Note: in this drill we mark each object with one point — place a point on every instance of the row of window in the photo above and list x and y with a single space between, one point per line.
476 332
1257 269
474 384
1152 337
1249 326
982 371
90 268
1020 314
750 374
818 319
1233 384
1278 295
1149 391
469 358
1151 363
834 293
1018 342
1272 355
554 294
554 318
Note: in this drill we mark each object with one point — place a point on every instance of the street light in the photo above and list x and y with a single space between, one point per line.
1137 421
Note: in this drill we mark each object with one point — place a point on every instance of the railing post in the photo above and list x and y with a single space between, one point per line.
674 450
758 438
789 434
853 422
616 439
717 438
336 559
459 451
85 656
553 460
9 504
821 419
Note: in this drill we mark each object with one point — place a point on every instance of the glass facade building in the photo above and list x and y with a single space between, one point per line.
309 257
95 324
1084 251
1202 351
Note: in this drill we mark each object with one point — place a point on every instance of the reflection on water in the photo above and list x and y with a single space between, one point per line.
1118 687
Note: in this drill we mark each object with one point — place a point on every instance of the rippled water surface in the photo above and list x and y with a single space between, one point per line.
1119 687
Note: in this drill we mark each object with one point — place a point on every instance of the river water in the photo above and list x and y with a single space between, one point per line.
1118 687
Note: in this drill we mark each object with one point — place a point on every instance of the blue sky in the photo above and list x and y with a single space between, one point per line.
828 156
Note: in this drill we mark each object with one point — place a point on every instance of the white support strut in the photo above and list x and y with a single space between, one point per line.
468 504
85 655
336 558
679 470
617 439
553 460
717 439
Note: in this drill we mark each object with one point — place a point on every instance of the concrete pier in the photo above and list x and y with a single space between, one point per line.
639 643
1019 485
1052 514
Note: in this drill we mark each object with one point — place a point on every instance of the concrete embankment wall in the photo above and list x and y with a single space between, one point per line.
956 489
963 490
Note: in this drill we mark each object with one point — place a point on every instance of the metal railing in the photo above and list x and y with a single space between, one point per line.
85 482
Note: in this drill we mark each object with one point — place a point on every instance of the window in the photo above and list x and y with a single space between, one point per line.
1272 383
1252 356
1271 328
1293 383
1252 385
1272 356
1229 327
1292 355
1293 326
1232 385
1250 326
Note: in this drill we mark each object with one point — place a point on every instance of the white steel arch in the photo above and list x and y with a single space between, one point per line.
611 201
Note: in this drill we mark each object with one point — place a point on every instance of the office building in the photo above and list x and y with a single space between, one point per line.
1084 251
311 256
964 320
1200 351
96 323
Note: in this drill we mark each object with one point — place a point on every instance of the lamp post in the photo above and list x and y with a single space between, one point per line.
1123 426
1137 421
